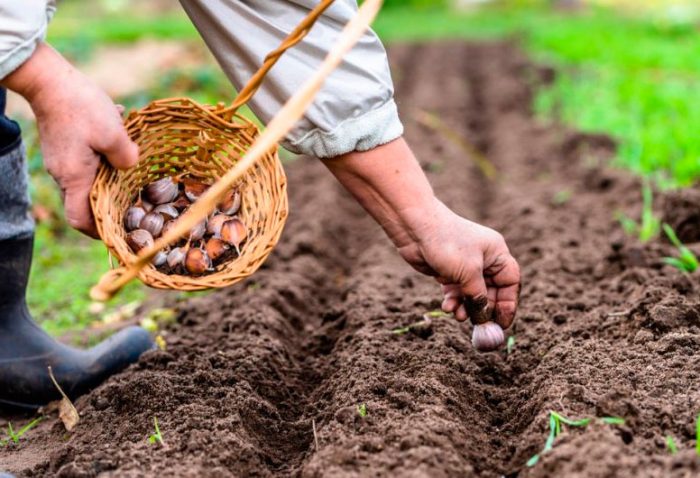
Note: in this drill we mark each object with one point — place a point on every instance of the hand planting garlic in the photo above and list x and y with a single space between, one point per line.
209 244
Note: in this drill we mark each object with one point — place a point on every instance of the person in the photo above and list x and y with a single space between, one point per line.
353 126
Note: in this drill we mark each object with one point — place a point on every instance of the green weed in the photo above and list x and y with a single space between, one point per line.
510 344
555 426
649 224
686 260
362 410
13 436
156 437
671 445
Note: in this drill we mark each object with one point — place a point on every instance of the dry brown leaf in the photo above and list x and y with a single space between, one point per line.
66 411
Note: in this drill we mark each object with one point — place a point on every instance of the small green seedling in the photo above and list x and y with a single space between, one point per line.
613 420
427 319
671 445
555 421
561 197
362 410
15 436
510 344
156 437
649 225
686 260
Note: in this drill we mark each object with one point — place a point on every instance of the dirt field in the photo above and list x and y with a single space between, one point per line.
604 329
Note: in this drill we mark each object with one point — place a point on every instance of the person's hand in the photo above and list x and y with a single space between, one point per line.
473 264
78 123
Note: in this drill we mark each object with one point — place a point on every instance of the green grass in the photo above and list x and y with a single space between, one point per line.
635 78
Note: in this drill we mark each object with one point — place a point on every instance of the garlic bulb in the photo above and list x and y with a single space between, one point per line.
487 337
161 191
197 261
168 211
160 258
153 223
133 217
231 203
214 224
193 188
215 248
234 232
176 257
139 239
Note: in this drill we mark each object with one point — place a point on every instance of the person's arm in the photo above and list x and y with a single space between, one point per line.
77 124
472 262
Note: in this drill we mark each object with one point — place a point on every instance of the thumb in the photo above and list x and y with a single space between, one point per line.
119 150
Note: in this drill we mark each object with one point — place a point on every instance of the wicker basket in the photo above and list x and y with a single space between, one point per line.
215 144
180 136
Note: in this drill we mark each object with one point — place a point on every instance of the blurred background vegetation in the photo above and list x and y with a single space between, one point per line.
627 68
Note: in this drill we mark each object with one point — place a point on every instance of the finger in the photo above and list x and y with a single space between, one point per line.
120 151
507 280
491 294
452 297
120 109
77 209
507 305
476 298
461 314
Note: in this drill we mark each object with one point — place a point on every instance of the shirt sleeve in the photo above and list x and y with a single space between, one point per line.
355 109
22 26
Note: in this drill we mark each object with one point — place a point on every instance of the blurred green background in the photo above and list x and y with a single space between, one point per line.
629 69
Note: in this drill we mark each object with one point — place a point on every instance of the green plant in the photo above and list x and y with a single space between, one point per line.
156 437
686 260
510 344
671 445
15 436
555 425
649 225
362 410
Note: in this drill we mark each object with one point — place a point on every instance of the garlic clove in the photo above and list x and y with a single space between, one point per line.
176 257
214 224
181 203
231 203
215 248
198 231
160 258
487 337
168 211
133 218
197 261
139 239
194 188
153 223
161 191
234 232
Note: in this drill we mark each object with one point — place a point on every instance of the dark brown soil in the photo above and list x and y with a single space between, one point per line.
604 329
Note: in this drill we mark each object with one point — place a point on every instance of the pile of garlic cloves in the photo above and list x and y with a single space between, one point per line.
211 242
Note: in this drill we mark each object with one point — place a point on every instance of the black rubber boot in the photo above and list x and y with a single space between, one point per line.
26 350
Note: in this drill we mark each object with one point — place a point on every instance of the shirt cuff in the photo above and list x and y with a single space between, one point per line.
13 59
374 128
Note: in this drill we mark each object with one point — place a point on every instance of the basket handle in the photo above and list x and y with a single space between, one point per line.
292 39
112 281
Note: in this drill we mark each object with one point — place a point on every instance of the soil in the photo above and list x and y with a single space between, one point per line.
604 328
